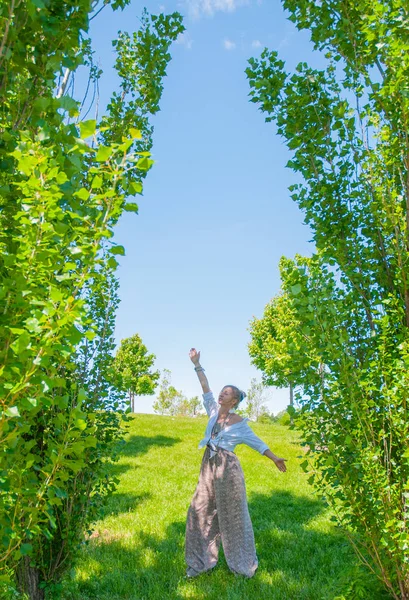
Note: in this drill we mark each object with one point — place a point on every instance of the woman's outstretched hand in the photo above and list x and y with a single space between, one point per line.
194 356
280 464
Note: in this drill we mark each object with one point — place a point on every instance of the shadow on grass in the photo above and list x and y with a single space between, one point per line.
135 446
124 502
139 444
296 560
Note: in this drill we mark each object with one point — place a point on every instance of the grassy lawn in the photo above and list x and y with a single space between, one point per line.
137 552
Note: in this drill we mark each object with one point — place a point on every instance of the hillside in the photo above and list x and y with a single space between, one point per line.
137 550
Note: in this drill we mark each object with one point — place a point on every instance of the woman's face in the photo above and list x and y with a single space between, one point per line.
227 398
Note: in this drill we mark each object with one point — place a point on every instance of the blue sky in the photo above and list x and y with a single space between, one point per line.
215 217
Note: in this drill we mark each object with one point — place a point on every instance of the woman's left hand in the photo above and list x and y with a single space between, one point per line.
280 464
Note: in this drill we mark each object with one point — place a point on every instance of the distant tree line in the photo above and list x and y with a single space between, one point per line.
171 401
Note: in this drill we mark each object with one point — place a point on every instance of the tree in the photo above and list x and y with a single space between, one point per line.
282 417
279 346
85 492
195 406
349 302
188 407
255 401
182 407
132 367
94 356
171 401
64 183
168 397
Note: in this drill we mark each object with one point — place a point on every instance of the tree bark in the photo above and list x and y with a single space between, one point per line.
28 579
291 402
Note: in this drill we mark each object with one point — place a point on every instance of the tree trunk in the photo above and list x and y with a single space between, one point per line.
28 579
291 402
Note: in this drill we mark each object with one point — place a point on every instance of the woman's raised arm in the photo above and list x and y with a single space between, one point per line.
195 358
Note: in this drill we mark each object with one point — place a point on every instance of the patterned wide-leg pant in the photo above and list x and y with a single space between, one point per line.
219 513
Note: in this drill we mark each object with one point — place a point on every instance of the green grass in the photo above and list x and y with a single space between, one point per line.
138 549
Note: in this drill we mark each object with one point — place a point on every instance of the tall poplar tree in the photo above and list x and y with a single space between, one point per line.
345 338
64 183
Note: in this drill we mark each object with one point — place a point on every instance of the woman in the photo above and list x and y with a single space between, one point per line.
218 511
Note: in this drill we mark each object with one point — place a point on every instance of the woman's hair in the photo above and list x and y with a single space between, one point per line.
237 393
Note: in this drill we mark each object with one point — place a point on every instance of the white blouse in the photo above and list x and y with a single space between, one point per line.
231 435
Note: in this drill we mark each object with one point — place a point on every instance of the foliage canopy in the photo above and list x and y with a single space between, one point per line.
339 328
64 182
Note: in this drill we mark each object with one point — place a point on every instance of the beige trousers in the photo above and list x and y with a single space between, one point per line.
219 513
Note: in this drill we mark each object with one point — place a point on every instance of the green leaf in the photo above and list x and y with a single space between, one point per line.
38 3
144 164
56 295
131 207
67 103
135 187
61 177
26 549
81 424
104 152
12 411
112 263
82 395
41 103
82 193
87 128
33 325
296 289
117 250
17 330
136 134
21 343
96 182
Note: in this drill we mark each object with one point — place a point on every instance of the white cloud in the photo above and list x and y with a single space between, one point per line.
229 45
256 44
185 40
198 8
285 41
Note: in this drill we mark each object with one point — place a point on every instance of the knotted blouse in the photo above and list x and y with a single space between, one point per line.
231 435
